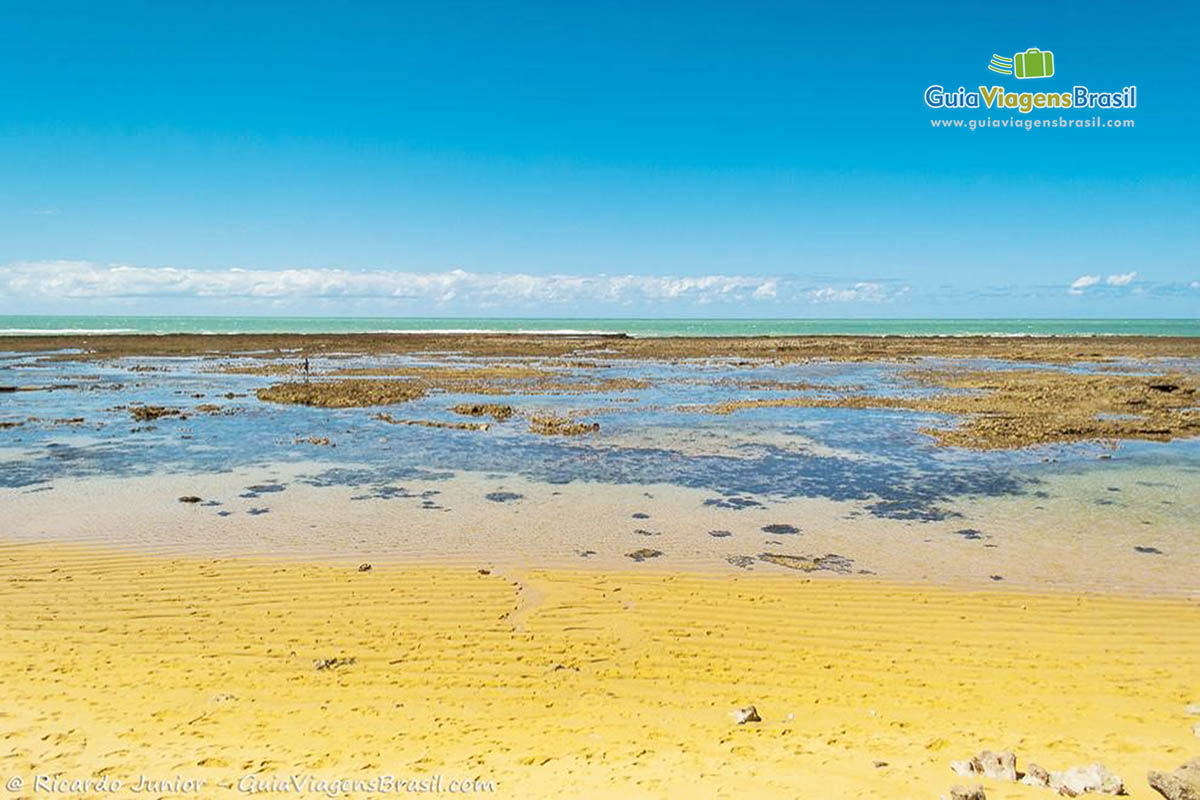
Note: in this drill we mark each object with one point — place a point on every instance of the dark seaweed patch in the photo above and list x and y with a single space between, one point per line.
385 493
830 562
262 488
735 503
912 509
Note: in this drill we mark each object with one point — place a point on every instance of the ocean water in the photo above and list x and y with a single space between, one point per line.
80 426
50 325
868 485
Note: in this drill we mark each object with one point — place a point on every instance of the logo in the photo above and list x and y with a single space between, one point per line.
1033 63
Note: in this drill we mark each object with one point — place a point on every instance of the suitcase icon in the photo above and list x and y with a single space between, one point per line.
1033 63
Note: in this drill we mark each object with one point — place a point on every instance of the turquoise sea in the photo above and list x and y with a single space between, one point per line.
35 325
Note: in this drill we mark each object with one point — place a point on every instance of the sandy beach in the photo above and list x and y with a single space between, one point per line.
573 683
558 566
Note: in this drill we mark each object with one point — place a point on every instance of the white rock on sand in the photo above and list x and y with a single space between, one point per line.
1001 766
747 714
1093 778
1090 779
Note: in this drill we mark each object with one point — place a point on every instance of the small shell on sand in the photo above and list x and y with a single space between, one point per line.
748 714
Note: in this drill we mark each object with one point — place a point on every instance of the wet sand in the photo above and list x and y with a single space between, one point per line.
1066 541
576 683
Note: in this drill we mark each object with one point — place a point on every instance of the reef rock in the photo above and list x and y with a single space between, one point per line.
967 793
342 394
1036 776
1182 784
550 425
494 410
148 413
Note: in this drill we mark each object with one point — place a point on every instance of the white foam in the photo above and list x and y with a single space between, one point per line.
62 331
535 331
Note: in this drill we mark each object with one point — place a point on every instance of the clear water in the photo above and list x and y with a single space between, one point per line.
876 457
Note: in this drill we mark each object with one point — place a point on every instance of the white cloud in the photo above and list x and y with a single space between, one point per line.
1083 282
84 280
1194 285
864 292
1116 279
767 291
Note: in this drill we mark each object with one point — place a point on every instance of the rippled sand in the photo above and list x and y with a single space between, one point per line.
577 616
572 683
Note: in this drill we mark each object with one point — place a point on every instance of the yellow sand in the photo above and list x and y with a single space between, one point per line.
573 684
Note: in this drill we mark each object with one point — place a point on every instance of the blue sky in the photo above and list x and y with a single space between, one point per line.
708 159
